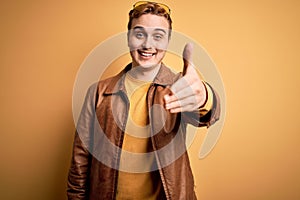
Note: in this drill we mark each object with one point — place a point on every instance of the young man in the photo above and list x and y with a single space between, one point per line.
130 137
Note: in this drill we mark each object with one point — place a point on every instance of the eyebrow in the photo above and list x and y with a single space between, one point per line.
156 29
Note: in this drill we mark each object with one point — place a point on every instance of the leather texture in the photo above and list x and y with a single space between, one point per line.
99 134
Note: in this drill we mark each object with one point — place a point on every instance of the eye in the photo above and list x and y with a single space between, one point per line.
139 35
158 36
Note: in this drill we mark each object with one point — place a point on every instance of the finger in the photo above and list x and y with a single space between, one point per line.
187 56
180 84
169 98
182 91
187 108
188 102
177 86
182 94
174 96
177 110
197 95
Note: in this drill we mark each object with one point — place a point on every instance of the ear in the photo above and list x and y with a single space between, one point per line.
170 33
128 32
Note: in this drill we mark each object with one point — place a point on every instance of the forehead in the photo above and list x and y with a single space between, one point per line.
150 21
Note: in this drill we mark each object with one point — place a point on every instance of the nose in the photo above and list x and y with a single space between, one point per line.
147 44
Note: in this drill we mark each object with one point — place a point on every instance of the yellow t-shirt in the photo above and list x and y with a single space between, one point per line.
144 185
138 182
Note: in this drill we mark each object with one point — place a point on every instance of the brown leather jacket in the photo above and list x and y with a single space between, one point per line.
99 135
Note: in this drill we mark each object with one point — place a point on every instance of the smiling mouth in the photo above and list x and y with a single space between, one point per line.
145 54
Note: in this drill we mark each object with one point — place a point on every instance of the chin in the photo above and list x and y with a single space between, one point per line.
147 65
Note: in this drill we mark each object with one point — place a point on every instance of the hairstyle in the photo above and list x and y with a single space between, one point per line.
149 8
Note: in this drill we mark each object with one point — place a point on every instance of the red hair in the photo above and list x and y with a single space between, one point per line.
148 8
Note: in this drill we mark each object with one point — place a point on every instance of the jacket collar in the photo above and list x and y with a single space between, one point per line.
164 77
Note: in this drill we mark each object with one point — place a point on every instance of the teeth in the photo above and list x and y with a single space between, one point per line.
146 54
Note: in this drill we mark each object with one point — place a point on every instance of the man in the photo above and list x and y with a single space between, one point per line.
130 137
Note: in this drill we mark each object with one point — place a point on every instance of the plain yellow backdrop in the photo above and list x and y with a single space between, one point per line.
255 45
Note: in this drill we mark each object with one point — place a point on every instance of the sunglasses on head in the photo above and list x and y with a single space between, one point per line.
164 6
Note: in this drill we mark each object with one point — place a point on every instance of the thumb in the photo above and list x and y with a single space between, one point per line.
187 57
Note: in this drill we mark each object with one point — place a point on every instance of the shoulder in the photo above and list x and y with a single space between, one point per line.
113 83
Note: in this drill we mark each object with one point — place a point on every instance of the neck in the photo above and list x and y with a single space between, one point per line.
144 74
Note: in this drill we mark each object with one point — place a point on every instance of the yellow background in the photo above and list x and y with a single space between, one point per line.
255 45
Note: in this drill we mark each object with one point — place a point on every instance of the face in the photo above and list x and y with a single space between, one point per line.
148 40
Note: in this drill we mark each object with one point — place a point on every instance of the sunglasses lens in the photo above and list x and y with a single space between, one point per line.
165 7
139 3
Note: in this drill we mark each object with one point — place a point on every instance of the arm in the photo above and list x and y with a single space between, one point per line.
78 178
78 173
191 96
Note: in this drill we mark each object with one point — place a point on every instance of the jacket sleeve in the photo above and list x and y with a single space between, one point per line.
209 117
79 171
78 177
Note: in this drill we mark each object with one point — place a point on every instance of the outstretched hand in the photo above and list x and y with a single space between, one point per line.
188 93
